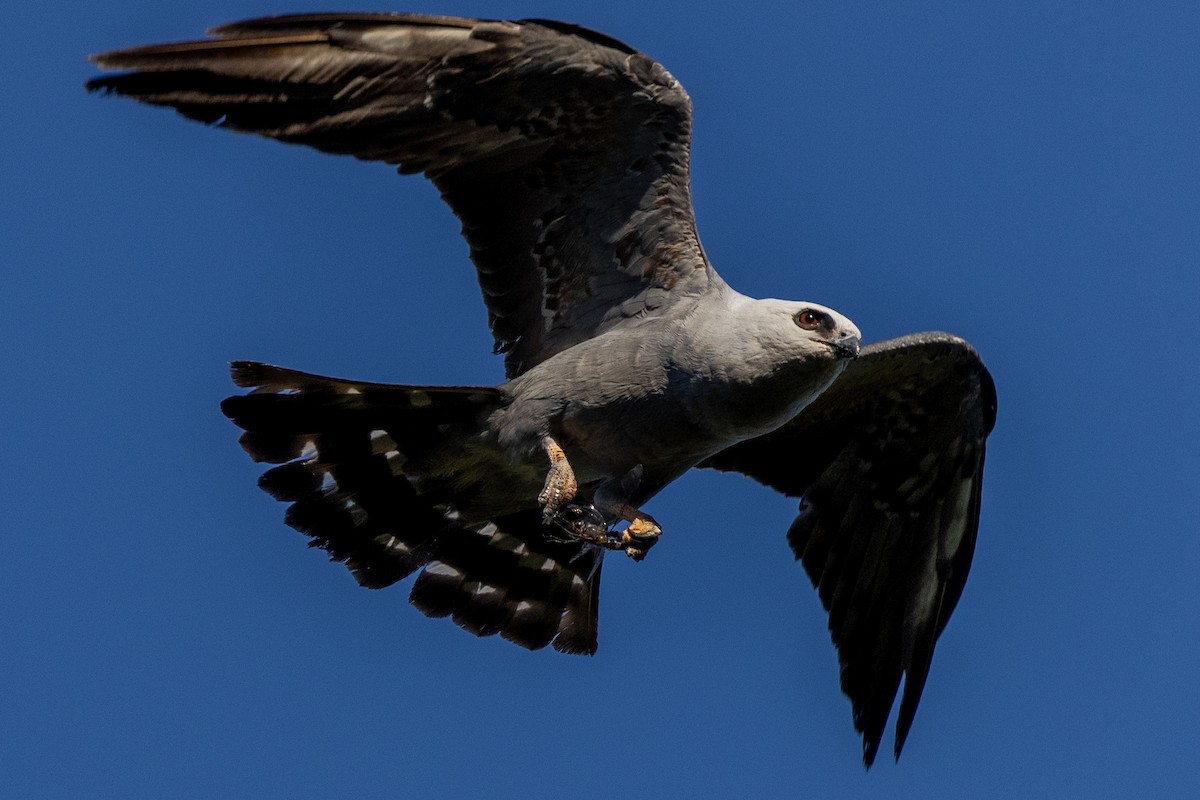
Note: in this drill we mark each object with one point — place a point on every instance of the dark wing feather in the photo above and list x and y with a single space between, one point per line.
563 152
888 464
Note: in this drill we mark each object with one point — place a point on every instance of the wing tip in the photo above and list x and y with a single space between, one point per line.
870 750
249 374
575 645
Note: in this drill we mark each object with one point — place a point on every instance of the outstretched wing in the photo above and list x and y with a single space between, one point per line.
888 463
563 152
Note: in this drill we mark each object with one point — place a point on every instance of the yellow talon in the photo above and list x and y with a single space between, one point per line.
642 527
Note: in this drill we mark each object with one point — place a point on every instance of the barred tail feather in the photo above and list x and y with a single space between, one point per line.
393 479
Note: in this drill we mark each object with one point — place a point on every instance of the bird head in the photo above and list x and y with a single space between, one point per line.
808 330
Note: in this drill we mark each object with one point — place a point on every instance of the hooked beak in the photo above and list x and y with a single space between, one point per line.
846 345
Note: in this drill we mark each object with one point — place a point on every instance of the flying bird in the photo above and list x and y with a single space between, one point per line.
628 360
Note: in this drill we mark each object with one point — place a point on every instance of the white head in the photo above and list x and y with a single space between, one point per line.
772 358
805 330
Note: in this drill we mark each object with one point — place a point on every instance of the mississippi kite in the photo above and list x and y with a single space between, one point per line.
564 153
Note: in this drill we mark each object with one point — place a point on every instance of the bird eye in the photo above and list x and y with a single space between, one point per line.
809 319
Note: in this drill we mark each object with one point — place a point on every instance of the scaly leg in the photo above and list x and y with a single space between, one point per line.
581 522
560 487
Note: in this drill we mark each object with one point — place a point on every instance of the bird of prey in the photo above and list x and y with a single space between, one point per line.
628 360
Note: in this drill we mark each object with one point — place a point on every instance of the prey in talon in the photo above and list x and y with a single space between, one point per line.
596 523
587 524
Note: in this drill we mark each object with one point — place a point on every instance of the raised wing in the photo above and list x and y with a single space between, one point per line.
563 152
888 464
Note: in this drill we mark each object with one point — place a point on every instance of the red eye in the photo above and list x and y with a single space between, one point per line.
809 319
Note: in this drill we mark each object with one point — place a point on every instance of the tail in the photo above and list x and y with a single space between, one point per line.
394 479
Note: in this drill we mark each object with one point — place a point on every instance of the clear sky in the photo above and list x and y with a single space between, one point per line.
1024 174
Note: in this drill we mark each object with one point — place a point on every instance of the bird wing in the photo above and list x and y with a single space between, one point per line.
888 463
563 152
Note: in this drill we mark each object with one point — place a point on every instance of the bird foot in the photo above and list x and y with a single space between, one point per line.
640 536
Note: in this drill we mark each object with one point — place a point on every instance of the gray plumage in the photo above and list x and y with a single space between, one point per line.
565 155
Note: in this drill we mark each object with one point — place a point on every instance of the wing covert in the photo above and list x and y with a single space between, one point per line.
563 152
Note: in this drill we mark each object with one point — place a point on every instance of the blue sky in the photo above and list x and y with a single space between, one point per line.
1024 174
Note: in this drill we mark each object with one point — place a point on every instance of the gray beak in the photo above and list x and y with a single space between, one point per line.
847 344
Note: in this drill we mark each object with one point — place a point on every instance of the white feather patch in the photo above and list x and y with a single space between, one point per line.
441 569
